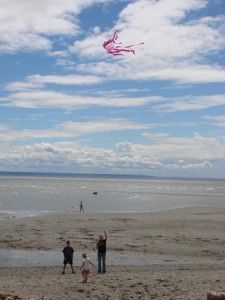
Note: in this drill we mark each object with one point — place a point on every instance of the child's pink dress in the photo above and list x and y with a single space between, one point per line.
86 266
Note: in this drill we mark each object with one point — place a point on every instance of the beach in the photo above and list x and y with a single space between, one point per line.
184 250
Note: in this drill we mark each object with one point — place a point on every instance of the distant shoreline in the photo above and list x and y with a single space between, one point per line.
100 176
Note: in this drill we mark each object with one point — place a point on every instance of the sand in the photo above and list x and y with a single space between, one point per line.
196 235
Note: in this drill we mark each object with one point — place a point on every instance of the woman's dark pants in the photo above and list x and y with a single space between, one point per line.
101 262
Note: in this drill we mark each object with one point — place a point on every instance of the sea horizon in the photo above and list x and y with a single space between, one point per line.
103 175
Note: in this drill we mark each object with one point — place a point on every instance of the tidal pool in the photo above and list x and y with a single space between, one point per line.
41 258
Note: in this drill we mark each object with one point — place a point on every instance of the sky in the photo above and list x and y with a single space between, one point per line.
66 105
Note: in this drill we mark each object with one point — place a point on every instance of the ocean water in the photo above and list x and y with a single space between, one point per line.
27 196
41 258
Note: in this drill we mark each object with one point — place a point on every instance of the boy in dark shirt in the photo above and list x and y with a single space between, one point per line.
101 247
68 257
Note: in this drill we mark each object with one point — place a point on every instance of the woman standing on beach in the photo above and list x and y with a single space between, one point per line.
101 247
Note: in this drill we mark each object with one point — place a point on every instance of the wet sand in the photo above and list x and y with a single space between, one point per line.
191 234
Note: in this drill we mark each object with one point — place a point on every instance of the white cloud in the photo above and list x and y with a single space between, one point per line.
27 25
71 129
197 148
174 49
50 99
32 93
186 166
160 151
71 156
191 103
3 127
181 73
38 81
66 80
22 86
216 120
193 74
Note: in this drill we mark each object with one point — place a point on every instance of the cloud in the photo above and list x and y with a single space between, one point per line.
181 73
159 152
3 127
72 156
32 93
216 120
174 47
66 80
193 74
186 166
38 81
191 103
197 147
28 25
51 99
71 129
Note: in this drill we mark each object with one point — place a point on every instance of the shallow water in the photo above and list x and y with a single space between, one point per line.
30 196
40 258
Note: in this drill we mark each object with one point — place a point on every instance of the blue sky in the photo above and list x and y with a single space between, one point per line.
68 106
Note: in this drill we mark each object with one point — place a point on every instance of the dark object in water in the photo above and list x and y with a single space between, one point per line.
95 193
216 295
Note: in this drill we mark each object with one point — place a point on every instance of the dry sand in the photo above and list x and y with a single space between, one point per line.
194 233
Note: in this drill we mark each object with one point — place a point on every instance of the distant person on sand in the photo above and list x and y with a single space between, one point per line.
86 267
101 247
68 257
81 207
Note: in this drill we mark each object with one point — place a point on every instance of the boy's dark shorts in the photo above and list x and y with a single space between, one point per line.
68 261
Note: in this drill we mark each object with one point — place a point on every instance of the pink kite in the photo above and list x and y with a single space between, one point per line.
114 48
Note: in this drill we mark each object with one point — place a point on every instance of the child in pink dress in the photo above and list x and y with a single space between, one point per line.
86 267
